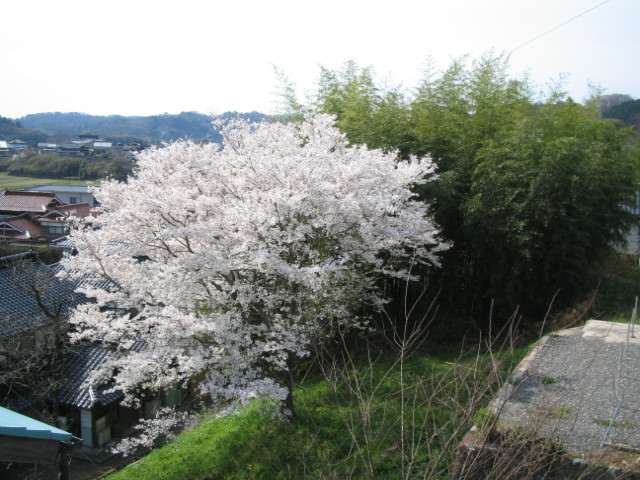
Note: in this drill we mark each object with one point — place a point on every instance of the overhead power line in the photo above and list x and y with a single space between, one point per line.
557 27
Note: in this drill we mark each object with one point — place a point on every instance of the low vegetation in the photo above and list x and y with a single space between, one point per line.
386 413
376 416
31 164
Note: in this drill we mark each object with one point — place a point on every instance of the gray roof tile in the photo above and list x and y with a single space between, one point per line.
79 364
21 283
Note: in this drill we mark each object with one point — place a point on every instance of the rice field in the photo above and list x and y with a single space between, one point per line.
9 181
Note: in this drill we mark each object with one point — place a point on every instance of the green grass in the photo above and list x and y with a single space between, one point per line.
606 422
9 181
560 412
348 428
617 319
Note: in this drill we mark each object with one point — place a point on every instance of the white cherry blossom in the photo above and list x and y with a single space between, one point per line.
230 261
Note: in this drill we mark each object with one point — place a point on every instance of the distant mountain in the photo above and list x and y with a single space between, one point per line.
628 112
14 130
154 129
609 101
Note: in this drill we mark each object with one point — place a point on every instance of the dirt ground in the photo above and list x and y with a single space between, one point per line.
84 464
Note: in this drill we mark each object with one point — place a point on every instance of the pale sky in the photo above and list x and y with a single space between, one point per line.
140 57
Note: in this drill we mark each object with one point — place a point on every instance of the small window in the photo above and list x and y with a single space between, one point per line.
73 200
56 230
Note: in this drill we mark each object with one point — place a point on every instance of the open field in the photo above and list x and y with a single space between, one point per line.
9 181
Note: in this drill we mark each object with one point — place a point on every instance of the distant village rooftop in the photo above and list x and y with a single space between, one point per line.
42 216
22 201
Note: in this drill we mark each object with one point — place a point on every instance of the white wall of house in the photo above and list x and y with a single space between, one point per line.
86 427
68 193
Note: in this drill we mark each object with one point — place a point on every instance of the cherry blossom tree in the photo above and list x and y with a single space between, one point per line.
229 262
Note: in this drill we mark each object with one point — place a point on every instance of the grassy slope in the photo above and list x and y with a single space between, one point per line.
349 428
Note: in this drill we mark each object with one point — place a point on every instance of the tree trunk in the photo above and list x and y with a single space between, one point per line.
287 409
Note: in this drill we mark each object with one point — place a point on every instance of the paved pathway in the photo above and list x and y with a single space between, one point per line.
581 387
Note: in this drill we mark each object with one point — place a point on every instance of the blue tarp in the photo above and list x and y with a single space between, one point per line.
16 425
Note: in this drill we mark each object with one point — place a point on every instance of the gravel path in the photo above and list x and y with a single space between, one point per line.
580 387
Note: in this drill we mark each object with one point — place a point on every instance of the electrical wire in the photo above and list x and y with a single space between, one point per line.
557 27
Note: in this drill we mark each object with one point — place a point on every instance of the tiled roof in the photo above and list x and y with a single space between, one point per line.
82 361
24 227
19 309
79 364
69 146
19 227
86 279
23 201
80 210
20 312
64 242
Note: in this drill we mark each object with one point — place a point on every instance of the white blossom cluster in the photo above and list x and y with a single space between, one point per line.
228 261
150 430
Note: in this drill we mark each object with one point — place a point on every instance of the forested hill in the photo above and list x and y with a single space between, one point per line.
628 112
155 128
11 130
